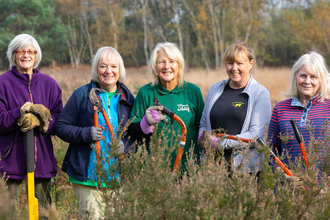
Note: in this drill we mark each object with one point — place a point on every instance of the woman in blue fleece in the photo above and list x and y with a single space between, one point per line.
76 126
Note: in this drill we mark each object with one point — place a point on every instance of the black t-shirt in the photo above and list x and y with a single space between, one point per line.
229 111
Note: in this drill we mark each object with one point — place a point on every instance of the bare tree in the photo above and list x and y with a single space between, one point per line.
215 38
198 34
177 19
144 4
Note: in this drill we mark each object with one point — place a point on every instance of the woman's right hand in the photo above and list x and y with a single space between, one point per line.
153 116
206 138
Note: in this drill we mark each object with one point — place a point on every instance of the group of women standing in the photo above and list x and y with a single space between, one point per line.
238 106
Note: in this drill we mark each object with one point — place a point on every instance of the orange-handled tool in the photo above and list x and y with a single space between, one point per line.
98 107
299 139
173 118
182 143
234 138
276 159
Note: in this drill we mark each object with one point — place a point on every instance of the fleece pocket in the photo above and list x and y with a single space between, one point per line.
7 152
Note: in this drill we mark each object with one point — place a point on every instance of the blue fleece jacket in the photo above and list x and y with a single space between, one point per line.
75 123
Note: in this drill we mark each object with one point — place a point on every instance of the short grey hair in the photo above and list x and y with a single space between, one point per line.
100 54
314 63
20 42
174 53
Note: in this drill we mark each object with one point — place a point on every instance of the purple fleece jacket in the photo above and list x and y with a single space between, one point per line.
14 92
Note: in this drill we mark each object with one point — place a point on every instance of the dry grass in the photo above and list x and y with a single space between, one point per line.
276 80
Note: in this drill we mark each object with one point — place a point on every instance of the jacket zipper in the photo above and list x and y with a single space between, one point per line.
109 107
35 137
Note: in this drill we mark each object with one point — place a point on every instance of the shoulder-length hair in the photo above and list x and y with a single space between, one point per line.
238 49
314 63
109 52
174 53
20 42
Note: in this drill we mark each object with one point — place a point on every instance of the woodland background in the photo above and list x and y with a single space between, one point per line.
70 31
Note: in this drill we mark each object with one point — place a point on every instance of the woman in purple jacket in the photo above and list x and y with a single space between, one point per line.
29 100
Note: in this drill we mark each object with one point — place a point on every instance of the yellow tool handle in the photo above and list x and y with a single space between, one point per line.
32 200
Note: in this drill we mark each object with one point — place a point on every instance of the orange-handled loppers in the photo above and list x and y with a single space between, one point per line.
173 118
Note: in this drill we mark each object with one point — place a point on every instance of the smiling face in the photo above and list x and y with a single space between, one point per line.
25 62
238 71
108 73
167 70
308 85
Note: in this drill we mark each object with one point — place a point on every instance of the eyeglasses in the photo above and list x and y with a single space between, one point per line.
22 52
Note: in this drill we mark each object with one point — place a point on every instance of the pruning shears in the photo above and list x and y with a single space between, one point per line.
173 118
260 141
32 200
299 139
98 107
276 159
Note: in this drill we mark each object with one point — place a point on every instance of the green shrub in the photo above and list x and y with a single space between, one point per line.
150 190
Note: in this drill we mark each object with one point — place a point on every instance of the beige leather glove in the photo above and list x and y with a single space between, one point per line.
37 109
286 179
29 121
154 114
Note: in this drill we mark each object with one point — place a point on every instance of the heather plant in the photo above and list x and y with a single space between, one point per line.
6 203
148 189
62 193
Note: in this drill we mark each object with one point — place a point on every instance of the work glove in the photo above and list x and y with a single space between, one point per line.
37 109
97 133
29 121
286 179
153 116
121 147
207 138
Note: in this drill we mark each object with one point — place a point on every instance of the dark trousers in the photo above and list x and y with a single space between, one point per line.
42 192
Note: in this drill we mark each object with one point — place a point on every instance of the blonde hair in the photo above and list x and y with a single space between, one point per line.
237 49
20 42
109 52
174 53
314 63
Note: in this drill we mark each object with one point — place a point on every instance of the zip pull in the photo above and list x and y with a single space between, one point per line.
29 88
109 109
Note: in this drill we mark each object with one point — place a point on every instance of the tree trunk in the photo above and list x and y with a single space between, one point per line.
178 26
145 28
248 31
215 39
199 37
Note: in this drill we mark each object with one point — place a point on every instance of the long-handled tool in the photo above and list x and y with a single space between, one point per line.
176 118
98 107
234 138
299 139
32 200
276 159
